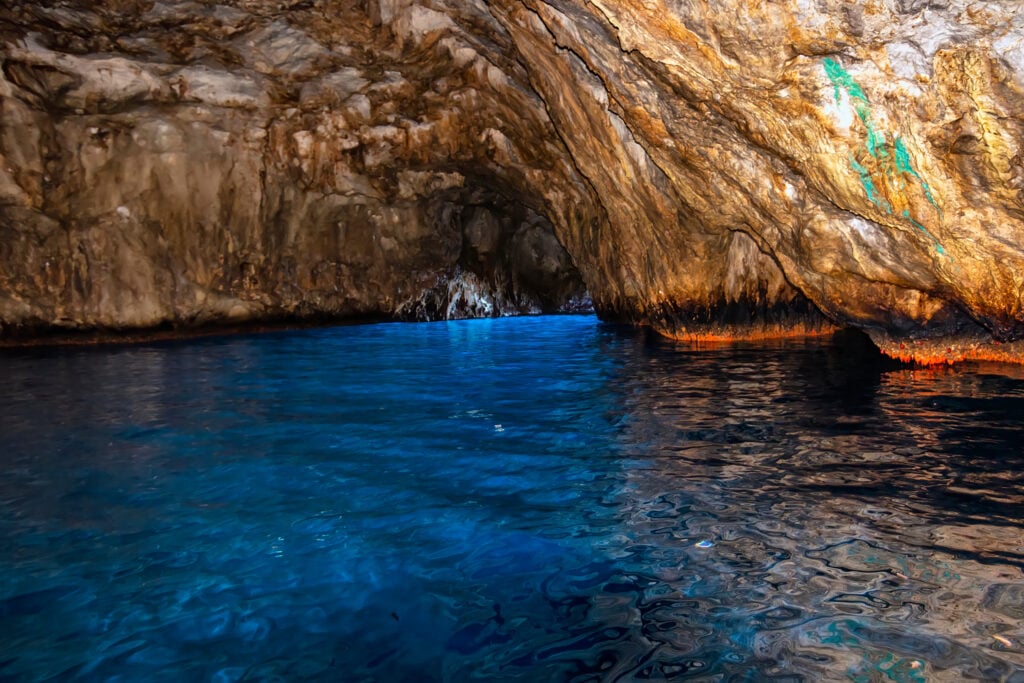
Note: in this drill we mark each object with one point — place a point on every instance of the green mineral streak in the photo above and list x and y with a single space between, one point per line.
928 194
903 158
935 241
878 148
904 165
869 185
906 214
863 111
876 140
841 79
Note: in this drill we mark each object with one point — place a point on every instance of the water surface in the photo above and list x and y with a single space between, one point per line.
507 500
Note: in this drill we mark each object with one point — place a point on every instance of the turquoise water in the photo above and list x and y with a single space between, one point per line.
534 499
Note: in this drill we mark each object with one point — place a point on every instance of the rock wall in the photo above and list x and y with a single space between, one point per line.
713 169
183 164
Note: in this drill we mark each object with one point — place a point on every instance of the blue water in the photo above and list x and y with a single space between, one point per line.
535 499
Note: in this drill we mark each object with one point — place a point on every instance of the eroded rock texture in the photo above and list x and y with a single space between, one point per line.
188 163
711 168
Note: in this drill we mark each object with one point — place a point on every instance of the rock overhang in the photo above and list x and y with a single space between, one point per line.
727 171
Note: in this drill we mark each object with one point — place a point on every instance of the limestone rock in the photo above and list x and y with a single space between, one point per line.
714 170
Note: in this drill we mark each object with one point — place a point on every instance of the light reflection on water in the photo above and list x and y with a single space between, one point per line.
523 499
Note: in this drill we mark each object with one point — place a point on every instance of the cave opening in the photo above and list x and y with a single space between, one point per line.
505 260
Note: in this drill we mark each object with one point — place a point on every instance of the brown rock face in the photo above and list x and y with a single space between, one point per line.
186 163
722 169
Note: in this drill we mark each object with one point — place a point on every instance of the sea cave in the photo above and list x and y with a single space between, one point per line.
511 340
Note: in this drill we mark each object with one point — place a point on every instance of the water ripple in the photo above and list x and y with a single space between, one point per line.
511 500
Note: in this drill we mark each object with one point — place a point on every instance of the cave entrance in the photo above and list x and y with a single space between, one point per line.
509 261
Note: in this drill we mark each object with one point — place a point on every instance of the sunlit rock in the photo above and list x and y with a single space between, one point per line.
711 169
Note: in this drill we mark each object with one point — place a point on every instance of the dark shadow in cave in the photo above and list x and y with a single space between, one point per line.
510 261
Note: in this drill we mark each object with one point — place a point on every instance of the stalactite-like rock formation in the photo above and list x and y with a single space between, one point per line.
723 169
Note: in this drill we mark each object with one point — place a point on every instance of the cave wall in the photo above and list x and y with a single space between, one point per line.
187 163
712 169
870 149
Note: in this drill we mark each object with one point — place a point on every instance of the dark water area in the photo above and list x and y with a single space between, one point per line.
535 499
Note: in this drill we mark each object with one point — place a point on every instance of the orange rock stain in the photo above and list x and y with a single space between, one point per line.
714 337
944 352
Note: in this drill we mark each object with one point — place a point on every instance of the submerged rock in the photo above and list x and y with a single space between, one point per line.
711 169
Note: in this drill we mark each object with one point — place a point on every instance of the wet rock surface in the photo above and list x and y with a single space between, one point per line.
711 169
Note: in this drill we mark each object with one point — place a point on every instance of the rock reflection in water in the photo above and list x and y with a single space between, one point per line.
867 520
507 500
